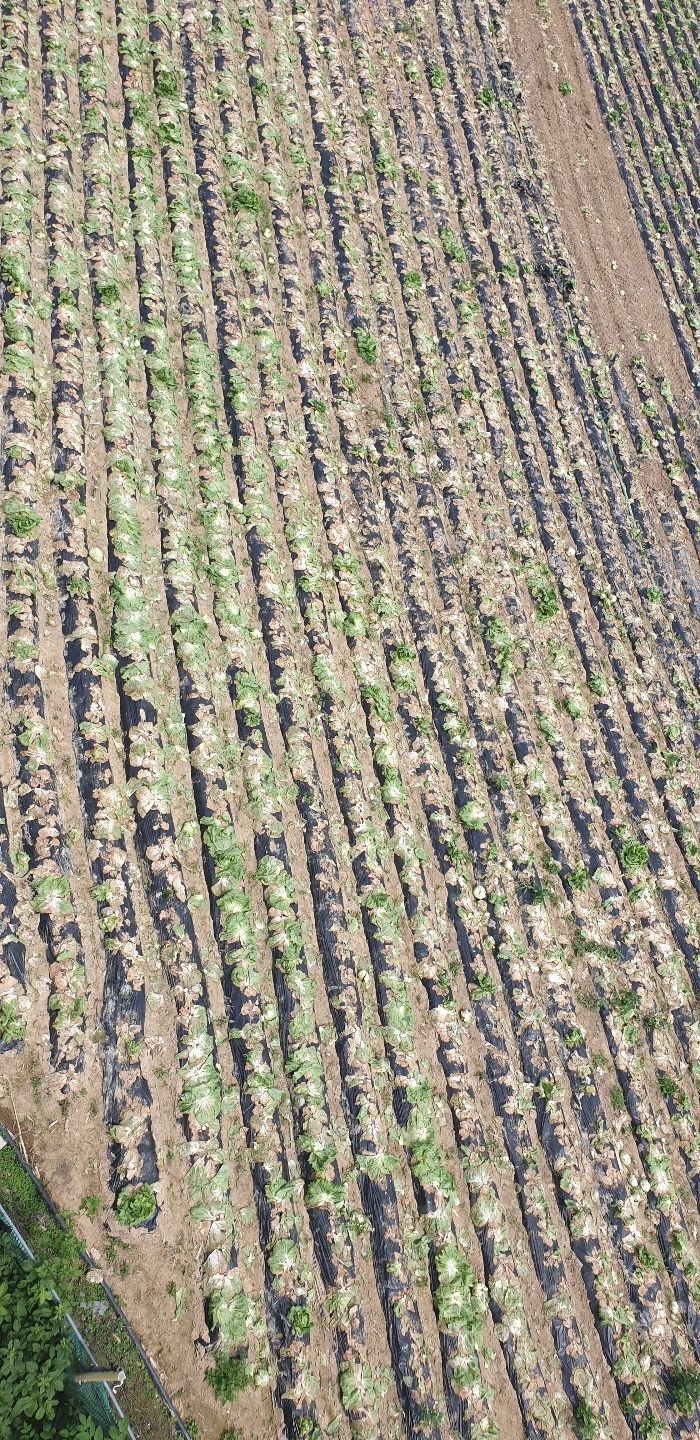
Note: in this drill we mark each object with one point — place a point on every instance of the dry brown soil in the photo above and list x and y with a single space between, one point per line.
612 267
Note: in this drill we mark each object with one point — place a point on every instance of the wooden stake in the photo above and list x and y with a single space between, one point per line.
19 1127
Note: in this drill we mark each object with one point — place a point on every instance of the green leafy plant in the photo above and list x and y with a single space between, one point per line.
542 591
497 635
177 1293
578 877
246 198
59 1251
585 1420
650 1429
12 1026
633 856
545 728
88 1429
135 1207
229 1377
473 815
91 1204
384 165
459 1299
539 892
484 987
366 346
465 1373
14 270
684 1385
22 518
451 247
283 1256
564 87
35 1353
646 1259
299 1317
108 291
166 84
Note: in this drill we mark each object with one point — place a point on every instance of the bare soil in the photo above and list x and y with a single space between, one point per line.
612 267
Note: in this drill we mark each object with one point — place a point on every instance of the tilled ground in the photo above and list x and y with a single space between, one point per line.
349 846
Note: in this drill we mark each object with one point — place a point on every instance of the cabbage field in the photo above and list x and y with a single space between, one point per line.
350 726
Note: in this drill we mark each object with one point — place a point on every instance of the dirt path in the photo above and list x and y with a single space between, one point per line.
611 265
